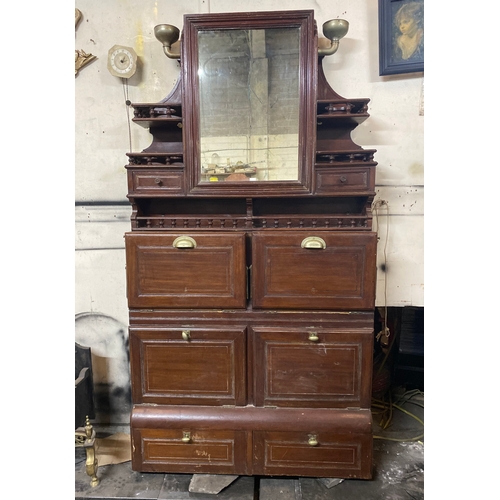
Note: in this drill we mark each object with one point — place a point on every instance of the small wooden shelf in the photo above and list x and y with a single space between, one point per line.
342 106
154 115
150 159
345 156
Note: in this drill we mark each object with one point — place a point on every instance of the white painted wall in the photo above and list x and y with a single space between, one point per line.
394 129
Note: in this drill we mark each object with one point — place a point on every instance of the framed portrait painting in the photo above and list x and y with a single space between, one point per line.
401 36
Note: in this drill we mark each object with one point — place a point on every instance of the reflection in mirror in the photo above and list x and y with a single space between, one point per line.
249 104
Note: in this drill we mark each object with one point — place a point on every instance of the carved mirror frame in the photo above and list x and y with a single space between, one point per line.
308 61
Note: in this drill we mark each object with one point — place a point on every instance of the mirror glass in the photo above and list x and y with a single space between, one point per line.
249 104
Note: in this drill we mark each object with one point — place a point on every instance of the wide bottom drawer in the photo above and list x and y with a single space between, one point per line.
252 441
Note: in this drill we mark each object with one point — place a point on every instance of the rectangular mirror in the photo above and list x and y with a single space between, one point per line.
251 81
249 104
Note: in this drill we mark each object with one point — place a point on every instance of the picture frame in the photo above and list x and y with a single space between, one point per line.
401 36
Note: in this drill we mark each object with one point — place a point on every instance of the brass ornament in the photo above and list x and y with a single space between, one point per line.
81 57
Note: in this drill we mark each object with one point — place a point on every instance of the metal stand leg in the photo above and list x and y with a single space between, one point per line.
85 437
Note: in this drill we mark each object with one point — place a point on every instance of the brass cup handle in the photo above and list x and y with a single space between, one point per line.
313 242
184 242
313 337
186 437
313 441
186 335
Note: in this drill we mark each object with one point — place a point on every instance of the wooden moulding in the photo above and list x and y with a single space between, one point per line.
252 418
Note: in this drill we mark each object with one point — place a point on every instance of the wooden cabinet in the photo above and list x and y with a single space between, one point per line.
251 275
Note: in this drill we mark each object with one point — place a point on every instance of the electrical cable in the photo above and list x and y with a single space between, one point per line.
376 207
387 413
388 408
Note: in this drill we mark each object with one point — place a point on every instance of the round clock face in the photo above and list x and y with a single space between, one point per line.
122 61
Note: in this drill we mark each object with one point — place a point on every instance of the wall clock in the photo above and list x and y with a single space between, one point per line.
122 61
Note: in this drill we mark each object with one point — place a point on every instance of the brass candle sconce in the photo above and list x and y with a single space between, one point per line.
168 35
334 30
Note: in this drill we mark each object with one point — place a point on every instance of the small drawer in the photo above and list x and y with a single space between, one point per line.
155 182
188 365
179 270
313 367
313 453
314 270
187 449
344 180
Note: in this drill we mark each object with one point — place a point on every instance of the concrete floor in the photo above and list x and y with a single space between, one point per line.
398 473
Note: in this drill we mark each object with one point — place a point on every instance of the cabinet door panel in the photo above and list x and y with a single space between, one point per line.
339 273
332 455
313 367
188 366
189 449
211 274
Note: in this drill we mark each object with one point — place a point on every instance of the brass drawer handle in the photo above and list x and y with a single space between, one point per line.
186 335
313 440
158 181
343 179
314 242
186 437
184 242
313 337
